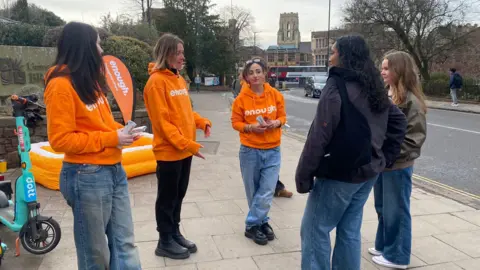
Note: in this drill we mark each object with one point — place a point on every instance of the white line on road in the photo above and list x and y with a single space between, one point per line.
289 96
454 128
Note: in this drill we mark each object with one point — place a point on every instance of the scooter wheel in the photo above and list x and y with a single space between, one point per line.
50 234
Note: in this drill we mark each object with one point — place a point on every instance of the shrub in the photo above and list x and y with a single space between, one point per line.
22 34
51 36
438 86
134 53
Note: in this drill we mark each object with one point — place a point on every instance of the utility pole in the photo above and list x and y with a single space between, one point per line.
328 34
255 42
197 38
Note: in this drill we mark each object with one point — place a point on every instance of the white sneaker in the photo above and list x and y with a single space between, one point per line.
455 104
374 252
380 260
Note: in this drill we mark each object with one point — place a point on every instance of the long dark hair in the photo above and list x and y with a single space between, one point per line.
78 57
354 55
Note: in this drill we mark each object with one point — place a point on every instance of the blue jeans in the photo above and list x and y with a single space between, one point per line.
260 169
333 204
392 203
98 196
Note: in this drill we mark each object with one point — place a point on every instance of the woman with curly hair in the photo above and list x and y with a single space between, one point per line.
343 156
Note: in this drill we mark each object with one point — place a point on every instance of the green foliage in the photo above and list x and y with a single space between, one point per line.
20 11
134 53
20 34
438 86
40 16
51 36
125 26
206 45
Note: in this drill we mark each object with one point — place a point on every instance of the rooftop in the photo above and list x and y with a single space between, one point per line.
282 47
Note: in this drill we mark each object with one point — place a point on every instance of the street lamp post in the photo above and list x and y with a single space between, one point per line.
328 33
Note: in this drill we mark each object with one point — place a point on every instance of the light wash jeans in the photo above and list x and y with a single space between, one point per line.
392 203
333 204
260 169
98 196
453 93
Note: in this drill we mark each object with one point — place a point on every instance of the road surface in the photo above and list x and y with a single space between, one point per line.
451 154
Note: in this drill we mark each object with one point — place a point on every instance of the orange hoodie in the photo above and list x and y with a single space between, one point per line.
248 105
170 112
87 134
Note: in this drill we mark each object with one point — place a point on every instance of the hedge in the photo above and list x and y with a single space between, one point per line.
51 36
22 34
438 86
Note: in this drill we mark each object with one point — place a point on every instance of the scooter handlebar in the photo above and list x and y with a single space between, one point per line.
26 100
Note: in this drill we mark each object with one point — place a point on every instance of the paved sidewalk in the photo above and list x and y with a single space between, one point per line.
446 234
462 107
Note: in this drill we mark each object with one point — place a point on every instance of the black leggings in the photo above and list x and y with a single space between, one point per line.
172 181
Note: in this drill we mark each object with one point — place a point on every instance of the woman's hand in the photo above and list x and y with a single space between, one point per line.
198 154
272 123
207 131
124 139
256 128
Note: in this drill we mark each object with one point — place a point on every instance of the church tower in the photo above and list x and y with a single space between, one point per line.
288 32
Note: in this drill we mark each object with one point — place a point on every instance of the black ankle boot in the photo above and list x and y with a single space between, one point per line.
178 237
256 234
268 231
167 247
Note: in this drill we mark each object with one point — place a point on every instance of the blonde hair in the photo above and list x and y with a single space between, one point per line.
165 48
404 77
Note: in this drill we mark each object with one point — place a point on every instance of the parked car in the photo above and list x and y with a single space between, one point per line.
314 85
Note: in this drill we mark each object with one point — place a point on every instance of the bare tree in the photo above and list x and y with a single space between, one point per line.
240 23
427 29
6 7
142 7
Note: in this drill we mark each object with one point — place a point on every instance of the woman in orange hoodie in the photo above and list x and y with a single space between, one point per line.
258 114
174 126
92 179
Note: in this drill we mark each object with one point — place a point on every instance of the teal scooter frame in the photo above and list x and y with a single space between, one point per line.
34 229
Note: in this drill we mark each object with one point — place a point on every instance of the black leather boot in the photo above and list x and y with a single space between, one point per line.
268 231
178 237
168 247
255 233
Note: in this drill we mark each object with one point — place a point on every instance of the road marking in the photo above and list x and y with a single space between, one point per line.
447 187
454 128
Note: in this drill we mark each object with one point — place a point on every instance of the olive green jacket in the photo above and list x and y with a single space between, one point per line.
415 135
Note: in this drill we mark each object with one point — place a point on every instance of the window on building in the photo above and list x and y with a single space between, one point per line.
288 26
271 57
291 57
280 57
317 43
323 43
320 60
288 34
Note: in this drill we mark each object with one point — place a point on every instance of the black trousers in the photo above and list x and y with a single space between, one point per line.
172 182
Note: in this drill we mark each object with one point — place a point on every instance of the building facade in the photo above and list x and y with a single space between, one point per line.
320 45
290 50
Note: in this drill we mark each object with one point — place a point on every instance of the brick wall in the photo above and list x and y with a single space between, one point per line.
9 142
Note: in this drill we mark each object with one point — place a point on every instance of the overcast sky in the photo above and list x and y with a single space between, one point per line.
313 14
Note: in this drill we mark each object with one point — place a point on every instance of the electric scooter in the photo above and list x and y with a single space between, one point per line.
3 248
38 234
